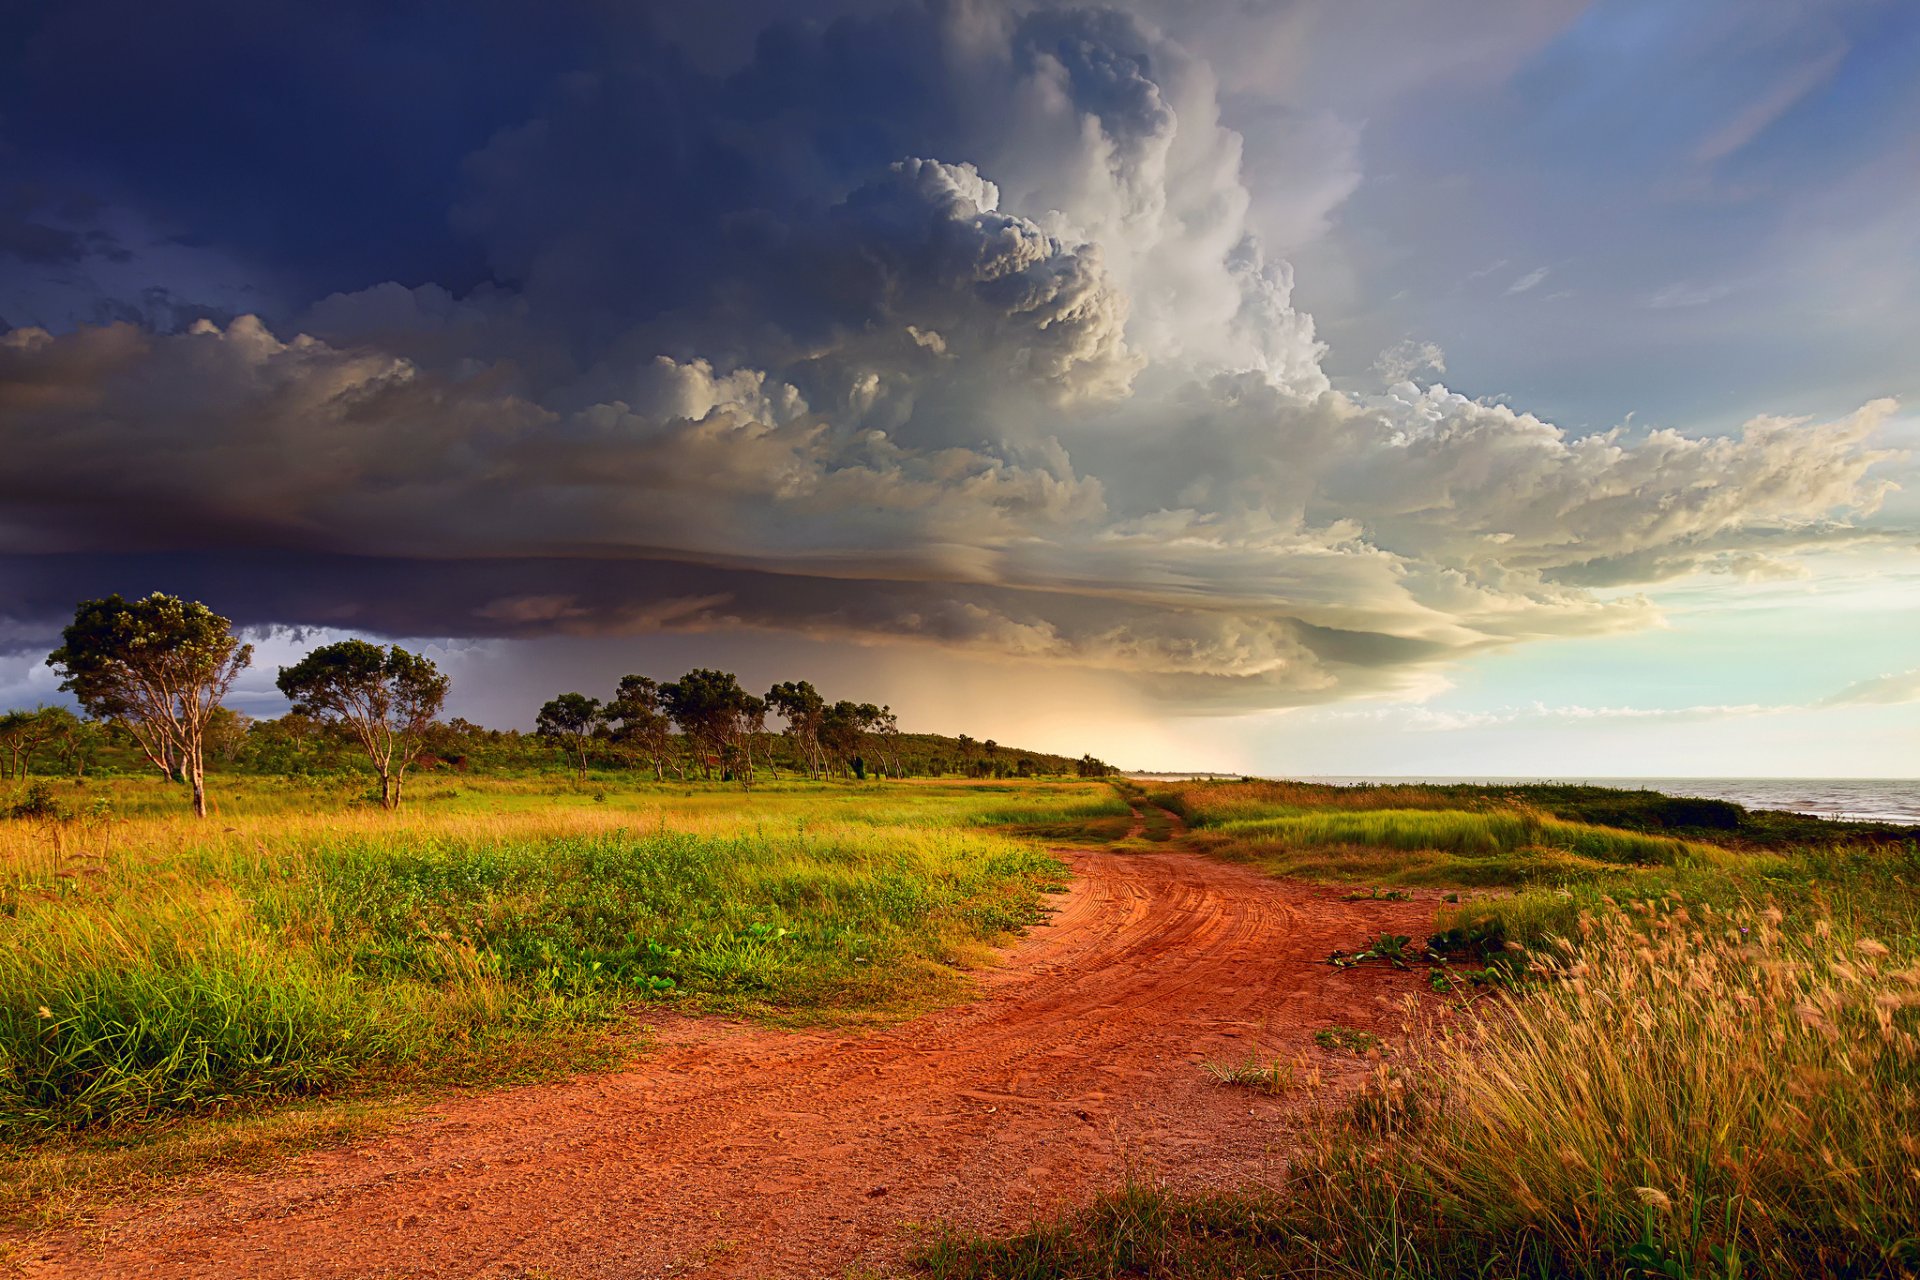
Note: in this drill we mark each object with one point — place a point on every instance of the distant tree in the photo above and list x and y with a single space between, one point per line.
750 727
1088 767
23 733
227 731
843 730
568 722
717 716
157 667
639 725
384 697
802 707
885 728
76 743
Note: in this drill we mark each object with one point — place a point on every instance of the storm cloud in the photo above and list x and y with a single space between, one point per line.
950 326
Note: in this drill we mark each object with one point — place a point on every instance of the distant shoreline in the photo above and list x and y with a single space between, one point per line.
1886 800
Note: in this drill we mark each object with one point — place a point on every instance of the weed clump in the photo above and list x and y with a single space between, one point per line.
1264 1075
1346 1039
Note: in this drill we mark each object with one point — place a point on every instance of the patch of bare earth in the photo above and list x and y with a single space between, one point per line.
737 1151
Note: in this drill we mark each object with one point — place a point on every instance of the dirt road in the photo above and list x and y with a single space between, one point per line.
736 1151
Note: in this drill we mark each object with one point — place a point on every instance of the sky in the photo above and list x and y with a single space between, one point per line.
1507 387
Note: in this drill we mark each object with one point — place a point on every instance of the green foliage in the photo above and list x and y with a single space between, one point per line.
156 667
384 697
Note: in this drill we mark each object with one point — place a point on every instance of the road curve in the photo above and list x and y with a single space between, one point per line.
732 1150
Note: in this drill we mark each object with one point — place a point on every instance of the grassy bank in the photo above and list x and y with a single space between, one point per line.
1529 874
154 969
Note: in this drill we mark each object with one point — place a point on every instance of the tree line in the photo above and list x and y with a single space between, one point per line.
706 722
150 675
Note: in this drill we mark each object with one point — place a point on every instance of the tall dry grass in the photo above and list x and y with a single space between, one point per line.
1682 1094
1706 1089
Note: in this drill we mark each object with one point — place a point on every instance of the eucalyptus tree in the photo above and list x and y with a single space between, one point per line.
386 698
24 733
802 707
718 717
158 668
843 730
568 722
639 725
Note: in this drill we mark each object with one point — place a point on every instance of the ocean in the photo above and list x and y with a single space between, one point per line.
1852 799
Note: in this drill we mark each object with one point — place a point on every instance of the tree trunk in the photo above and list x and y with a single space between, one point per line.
389 793
197 775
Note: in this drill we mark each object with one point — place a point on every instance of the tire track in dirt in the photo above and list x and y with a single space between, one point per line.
737 1151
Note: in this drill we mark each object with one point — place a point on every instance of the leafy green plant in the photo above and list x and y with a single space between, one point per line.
1393 948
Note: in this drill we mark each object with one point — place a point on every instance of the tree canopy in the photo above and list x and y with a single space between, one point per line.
386 697
568 721
158 667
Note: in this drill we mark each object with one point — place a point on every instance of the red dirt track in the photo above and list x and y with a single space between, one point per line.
736 1151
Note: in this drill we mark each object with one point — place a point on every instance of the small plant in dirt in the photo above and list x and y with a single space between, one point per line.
1351 1039
1393 948
1378 895
1264 1075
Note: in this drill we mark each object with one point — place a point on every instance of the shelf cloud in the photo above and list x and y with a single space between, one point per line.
950 326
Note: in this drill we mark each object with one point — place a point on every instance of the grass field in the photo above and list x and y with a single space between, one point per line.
1710 1066
1705 1064
163 980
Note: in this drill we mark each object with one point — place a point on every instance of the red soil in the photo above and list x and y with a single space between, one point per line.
731 1150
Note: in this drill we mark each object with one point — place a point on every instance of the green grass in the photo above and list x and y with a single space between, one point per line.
169 969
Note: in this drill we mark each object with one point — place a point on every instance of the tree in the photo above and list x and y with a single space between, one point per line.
886 728
802 707
718 717
77 742
385 697
227 732
157 667
1088 766
843 728
568 722
638 723
23 733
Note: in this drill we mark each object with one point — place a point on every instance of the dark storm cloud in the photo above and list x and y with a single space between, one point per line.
325 139
942 325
